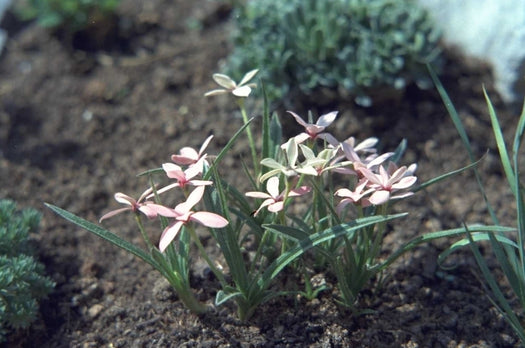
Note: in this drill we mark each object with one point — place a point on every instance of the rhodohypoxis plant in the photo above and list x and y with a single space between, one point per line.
310 202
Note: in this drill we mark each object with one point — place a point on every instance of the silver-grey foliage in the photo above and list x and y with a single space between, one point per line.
357 45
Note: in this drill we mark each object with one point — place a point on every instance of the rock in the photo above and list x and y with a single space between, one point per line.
4 5
490 30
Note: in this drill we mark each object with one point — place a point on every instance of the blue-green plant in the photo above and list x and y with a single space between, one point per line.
507 242
22 279
73 15
356 46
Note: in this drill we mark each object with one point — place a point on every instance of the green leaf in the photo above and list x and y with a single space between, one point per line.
463 135
476 237
105 234
500 142
315 239
224 296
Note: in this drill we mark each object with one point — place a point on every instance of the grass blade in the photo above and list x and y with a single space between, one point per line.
105 234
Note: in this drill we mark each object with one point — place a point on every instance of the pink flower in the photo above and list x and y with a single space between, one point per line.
183 215
242 89
273 199
356 197
133 205
183 177
189 156
387 182
315 131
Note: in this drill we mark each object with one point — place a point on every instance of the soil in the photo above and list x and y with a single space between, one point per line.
77 126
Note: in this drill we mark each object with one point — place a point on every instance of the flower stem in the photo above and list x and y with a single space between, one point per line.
143 232
240 102
214 269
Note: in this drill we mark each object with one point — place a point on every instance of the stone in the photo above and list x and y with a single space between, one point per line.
489 30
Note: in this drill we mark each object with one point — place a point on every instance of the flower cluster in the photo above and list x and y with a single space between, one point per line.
376 179
263 219
182 214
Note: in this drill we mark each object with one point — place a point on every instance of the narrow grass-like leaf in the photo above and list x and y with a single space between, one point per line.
276 135
500 142
463 135
224 296
455 232
477 237
151 172
226 148
510 265
287 232
520 129
317 238
446 176
500 302
266 136
105 234
400 150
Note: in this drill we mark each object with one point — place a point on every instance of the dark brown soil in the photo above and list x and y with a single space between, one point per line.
76 127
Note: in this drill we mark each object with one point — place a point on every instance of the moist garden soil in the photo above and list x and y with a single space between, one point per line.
77 126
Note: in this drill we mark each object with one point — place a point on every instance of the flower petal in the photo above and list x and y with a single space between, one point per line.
291 152
300 138
299 191
209 219
298 119
248 76
329 138
161 210
256 194
379 197
243 91
169 234
276 207
327 119
216 92
205 145
404 183
113 213
272 186
186 156
124 199
194 197
173 171
224 81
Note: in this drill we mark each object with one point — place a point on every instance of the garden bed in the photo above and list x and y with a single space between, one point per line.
75 127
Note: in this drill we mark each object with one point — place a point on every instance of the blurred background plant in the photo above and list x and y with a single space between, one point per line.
69 17
22 279
352 47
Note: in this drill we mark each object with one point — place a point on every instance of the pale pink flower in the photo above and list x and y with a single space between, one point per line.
366 146
188 156
273 199
387 182
241 90
315 130
183 214
183 177
357 196
132 205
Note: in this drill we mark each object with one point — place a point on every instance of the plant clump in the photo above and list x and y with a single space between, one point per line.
351 46
22 279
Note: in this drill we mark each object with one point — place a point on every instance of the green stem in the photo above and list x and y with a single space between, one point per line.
143 232
240 102
214 269
184 293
